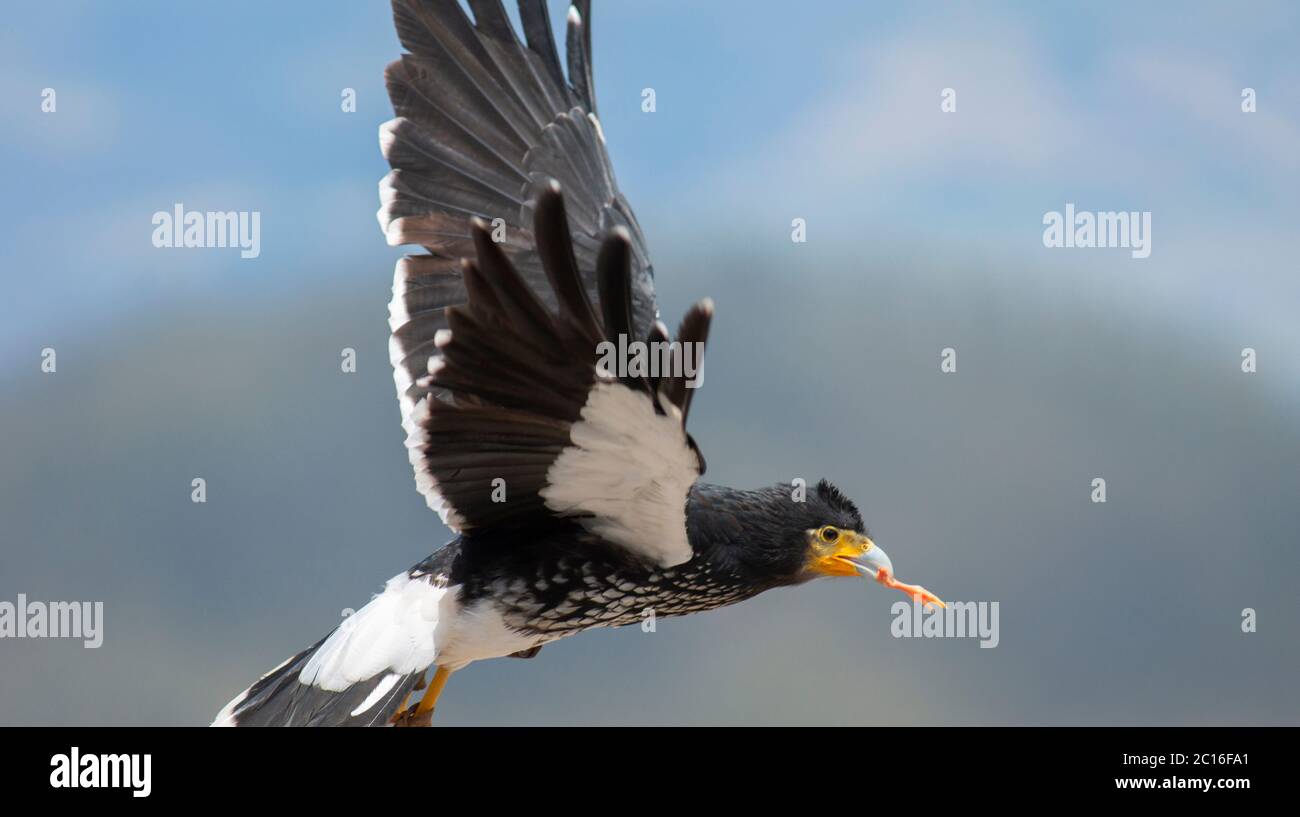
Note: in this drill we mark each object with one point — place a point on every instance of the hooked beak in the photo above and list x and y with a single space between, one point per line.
871 561
859 555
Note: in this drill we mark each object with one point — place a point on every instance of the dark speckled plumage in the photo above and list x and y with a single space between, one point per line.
564 580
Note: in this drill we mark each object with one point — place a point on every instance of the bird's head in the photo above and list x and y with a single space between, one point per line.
774 538
835 543
832 537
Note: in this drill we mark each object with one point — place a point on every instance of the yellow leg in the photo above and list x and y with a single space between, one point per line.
433 691
422 713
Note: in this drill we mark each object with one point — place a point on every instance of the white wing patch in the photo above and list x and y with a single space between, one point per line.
399 631
631 469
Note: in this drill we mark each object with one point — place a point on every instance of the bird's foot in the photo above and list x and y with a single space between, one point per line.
412 716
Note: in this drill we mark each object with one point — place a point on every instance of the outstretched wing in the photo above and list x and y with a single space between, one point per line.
483 120
532 426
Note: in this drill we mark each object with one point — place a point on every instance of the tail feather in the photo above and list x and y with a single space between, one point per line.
360 674
279 698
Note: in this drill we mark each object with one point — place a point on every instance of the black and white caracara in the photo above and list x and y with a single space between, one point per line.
572 485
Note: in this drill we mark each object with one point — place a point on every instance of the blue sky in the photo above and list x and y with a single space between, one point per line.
765 112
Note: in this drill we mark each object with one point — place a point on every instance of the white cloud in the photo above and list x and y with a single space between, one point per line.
883 121
1208 95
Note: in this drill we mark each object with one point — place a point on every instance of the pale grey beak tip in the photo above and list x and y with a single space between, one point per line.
873 561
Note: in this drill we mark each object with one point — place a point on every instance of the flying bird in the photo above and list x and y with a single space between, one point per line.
572 485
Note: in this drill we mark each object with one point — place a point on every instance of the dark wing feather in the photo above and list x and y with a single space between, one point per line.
527 409
483 121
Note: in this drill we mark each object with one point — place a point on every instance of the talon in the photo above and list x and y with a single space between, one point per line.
412 716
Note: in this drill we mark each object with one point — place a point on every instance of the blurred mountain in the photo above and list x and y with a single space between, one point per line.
978 484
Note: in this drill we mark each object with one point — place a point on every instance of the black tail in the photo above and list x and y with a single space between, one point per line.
280 699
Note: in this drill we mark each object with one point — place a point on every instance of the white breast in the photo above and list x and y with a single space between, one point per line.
479 632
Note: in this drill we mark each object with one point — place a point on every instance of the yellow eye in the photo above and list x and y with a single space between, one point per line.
828 534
